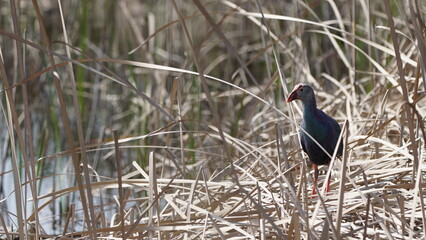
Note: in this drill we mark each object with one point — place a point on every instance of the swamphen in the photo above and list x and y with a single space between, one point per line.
324 129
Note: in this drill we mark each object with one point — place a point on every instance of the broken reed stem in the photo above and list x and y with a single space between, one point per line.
119 182
152 193
342 183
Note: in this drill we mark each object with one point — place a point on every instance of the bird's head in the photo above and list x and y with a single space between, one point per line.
302 92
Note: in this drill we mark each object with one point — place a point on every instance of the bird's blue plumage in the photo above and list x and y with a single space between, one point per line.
324 129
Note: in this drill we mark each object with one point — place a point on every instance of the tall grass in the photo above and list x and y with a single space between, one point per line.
167 120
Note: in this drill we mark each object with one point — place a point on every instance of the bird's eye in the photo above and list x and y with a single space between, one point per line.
301 89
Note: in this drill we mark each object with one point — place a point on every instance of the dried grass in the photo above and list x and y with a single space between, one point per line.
167 120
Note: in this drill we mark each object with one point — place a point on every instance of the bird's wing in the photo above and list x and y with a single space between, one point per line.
325 118
333 130
337 130
336 126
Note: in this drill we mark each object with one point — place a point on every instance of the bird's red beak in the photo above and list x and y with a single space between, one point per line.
293 94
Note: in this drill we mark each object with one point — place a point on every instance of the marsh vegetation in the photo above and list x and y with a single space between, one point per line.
167 119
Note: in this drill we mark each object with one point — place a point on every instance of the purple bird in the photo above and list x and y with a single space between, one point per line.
324 129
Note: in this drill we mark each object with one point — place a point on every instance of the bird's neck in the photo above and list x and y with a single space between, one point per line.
312 121
309 107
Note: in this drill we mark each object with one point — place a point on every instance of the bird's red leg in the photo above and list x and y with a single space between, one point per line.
315 178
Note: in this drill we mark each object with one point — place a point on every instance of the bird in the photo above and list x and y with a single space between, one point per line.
323 128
